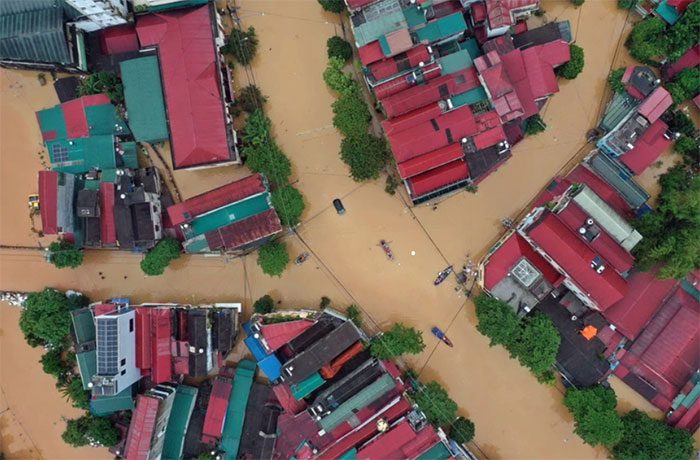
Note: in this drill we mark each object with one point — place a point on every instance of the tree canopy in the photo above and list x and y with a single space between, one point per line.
626 4
289 204
353 313
273 258
571 69
52 363
250 98
366 155
333 6
45 318
462 430
157 259
538 345
685 85
689 148
90 430
262 153
264 305
350 114
534 125
242 45
651 40
595 417
398 340
646 438
435 403
339 48
102 82
615 80
338 80
74 392
497 321
64 254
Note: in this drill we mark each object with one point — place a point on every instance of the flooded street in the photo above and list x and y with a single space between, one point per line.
515 416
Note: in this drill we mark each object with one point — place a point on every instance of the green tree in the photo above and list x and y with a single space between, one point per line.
689 148
157 259
534 125
684 33
74 392
391 184
462 430
365 155
250 98
242 45
436 404
615 80
264 305
90 430
647 42
45 318
273 258
571 69
353 313
578 2
350 114
337 80
289 204
497 321
339 48
108 83
596 420
679 122
537 345
64 254
646 438
626 4
398 340
77 300
269 160
333 6
257 130
52 363
685 85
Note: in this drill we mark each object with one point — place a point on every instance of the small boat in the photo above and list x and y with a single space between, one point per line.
301 258
441 335
387 250
442 276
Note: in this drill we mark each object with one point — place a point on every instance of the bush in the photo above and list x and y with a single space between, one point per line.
251 99
462 430
74 392
626 4
353 313
242 45
534 125
571 69
595 418
334 6
337 47
365 155
325 302
157 259
436 404
689 148
397 341
351 115
102 82
264 305
685 85
52 363
336 79
257 130
679 122
90 430
64 254
269 160
646 438
45 318
289 204
391 184
273 258
615 80
578 2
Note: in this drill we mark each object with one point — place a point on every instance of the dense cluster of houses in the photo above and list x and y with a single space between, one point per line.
320 393
177 88
571 258
457 81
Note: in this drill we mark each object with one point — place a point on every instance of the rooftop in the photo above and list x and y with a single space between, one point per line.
183 405
647 148
143 95
235 414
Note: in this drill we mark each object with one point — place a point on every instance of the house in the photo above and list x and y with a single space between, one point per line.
491 18
143 96
236 412
56 195
407 439
552 31
260 426
145 438
93 15
690 58
619 178
39 35
179 420
671 10
199 338
196 85
235 217
216 410
84 332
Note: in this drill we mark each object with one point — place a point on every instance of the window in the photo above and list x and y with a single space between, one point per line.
131 325
123 362
123 372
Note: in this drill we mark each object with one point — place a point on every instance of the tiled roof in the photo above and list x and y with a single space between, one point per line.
648 148
370 53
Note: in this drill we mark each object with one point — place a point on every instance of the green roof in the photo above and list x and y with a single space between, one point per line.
668 13
365 397
472 45
306 386
455 62
381 18
349 455
414 16
81 155
143 95
32 31
183 405
442 28
235 414
617 109
108 405
438 452
173 5
470 97
130 155
87 365
83 325
229 214
91 184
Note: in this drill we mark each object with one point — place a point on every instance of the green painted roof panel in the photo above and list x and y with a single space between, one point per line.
414 16
349 455
381 18
34 33
306 386
455 62
470 97
229 214
143 94
438 452
442 28
83 325
80 155
235 414
183 405
87 365
108 405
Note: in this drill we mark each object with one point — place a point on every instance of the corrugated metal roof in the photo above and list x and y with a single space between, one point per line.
87 365
143 95
161 370
306 386
216 410
244 232
141 428
183 405
655 104
612 172
647 149
442 28
48 195
277 335
83 325
108 405
235 414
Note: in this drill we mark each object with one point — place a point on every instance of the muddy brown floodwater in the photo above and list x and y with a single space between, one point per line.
515 416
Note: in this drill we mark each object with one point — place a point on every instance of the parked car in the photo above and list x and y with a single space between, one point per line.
339 206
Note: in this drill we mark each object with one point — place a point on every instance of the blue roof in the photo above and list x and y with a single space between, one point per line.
271 367
255 348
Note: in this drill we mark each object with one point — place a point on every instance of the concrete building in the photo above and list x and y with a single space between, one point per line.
116 352
94 15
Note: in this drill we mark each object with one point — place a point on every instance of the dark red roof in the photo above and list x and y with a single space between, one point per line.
679 5
397 85
357 4
230 193
244 231
691 58
287 401
655 104
401 62
103 308
540 73
191 85
75 116
582 175
160 346
438 178
499 11
143 338
141 428
648 148
48 199
108 229
216 410
490 130
478 12
517 72
277 335
508 254
372 52
575 257
399 443
430 160
645 295
119 39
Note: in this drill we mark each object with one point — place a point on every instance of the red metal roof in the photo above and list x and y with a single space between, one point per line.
331 369
103 308
230 193
191 85
582 175
411 119
216 410
401 62
75 116
119 39
370 53
522 83
108 230
645 295
478 12
690 420
397 85
490 130
143 338
554 53
48 199
430 160
357 4
388 445
609 249
648 148
653 106
679 5
575 257
438 89
499 11
244 231
141 429
540 73
691 58
438 178
290 404
426 438
279 334
508 254
160 346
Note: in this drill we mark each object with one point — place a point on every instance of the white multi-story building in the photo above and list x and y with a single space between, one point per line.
116 352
